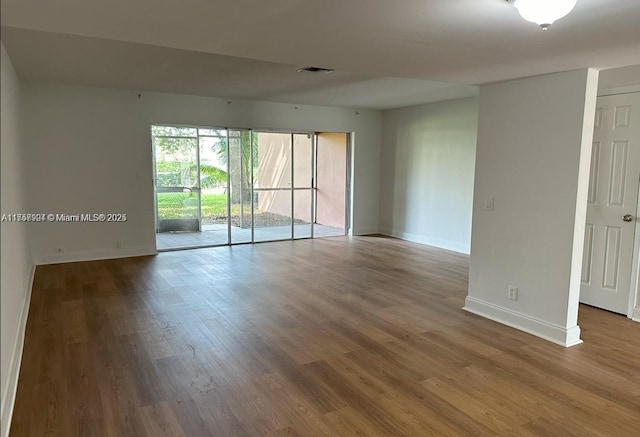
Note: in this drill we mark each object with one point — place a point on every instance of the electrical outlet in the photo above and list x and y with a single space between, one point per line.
118 244
512 293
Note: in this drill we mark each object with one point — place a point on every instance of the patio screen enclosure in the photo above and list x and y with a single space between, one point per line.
216 186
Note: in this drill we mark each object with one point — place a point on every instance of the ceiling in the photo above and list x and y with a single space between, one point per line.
386 53
57 58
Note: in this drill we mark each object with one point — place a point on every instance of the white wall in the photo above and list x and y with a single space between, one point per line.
89 151
533 154
635 314
16 264
622 79
427 167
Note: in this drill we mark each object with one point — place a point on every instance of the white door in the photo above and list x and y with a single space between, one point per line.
612 203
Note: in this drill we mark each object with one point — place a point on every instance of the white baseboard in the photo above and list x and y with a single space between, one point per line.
9 392
94 255
364 231
454 246
636 314
555 333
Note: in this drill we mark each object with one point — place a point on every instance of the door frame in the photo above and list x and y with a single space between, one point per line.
348 199
633 311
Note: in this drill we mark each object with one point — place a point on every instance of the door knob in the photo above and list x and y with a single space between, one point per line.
627 217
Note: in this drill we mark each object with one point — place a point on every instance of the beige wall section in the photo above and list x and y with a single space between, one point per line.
17 266
302 174
274 171
331 179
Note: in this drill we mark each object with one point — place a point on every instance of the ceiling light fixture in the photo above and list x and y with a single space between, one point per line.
543 12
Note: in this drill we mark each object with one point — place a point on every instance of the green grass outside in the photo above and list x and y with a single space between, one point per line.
214 210
185 205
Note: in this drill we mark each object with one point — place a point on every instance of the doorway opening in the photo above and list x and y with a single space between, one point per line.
219 186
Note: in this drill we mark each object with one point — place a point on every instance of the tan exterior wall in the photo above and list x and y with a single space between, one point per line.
274 171
302 172
331 179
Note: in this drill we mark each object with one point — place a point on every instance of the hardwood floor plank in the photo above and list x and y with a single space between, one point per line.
360 401
283 397
351 423
406 388
176 383
473 408
316 391
81 393
159 420
394 403
347 336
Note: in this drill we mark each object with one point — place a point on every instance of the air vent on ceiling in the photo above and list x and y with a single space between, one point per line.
316 70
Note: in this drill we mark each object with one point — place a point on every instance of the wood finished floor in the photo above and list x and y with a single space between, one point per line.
340 337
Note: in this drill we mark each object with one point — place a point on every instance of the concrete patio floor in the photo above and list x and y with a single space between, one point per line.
217 235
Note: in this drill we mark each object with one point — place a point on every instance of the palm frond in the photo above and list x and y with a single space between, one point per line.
211 176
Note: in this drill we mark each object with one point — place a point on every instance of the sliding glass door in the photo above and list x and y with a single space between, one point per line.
240 169
190 177
177 184
272 187
303 176
217 186
282 186
213 187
